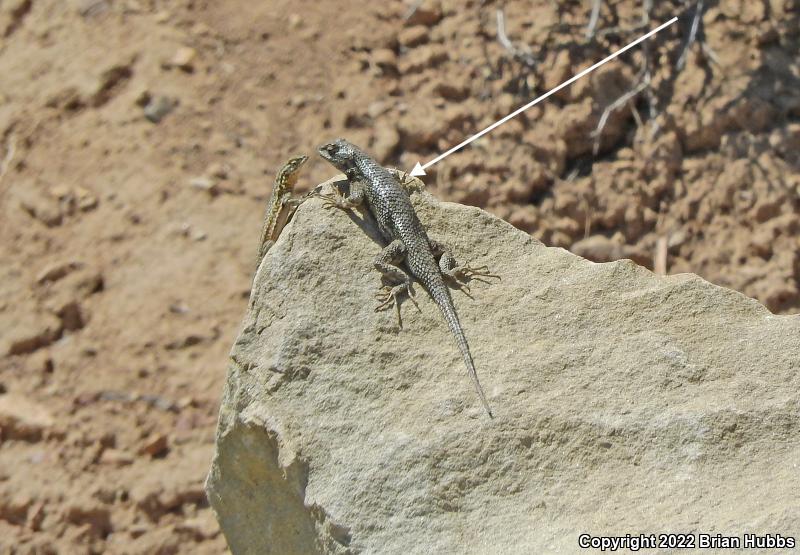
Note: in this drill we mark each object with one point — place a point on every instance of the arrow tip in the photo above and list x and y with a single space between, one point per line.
417 171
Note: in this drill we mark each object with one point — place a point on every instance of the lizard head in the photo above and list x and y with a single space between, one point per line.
289 171
340 153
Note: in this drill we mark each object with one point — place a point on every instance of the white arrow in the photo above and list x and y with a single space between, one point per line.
419 169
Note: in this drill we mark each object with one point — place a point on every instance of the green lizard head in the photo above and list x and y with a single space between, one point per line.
290 170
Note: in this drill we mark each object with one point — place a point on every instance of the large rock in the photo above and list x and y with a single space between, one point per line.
624 403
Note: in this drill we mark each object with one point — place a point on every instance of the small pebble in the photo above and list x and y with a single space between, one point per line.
158 108
154 445
184 59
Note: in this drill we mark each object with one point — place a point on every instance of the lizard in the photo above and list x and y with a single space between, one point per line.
280 209
386 195
281 205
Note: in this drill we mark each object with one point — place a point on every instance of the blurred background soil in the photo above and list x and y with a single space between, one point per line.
139 140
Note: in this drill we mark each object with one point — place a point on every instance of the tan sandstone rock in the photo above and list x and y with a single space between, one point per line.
624 402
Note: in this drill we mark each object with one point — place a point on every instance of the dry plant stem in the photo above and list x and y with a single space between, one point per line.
502 37
652 101
710 54
587 220
692 34
522 55
11 147
619 30
412 10
636 117
660 257
644 82
590 28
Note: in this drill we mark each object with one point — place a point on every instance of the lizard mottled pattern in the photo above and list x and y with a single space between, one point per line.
281 205
390 204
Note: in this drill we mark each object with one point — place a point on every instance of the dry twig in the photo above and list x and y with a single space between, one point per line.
590 28
696 34
642 83
522 55
520 82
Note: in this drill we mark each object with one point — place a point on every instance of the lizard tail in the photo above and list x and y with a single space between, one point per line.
441 294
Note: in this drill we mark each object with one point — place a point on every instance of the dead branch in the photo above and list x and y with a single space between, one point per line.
521 82
522 55
698 12
697 34
642 84
590 28
616 105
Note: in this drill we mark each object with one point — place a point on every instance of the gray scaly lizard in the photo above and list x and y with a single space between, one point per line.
388 200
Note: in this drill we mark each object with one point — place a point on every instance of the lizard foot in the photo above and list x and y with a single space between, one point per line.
332 200
466 273
388 297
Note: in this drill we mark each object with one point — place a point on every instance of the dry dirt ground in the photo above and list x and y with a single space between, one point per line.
138 140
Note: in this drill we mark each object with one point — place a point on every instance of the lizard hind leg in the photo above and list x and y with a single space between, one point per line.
460 274
387 264
410 183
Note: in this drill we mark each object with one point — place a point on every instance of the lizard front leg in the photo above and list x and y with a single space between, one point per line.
354 198
387 264
459 274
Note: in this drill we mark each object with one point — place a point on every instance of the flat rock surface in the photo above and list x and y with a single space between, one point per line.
624 402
